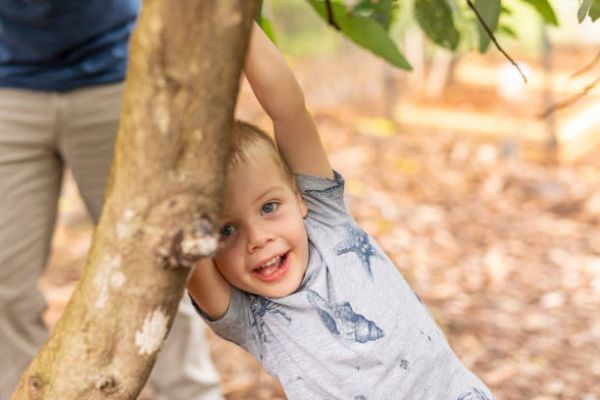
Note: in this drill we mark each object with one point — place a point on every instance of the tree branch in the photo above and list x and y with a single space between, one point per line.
571 100
493 38
587 67
163 196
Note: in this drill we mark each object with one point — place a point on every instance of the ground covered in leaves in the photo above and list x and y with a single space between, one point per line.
505 252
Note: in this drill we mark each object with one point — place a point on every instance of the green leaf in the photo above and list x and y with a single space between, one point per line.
583 10
259 13
490 13
435 18
544 9
382 11
507 30
506 10
264 23
365 32
267 27
594 12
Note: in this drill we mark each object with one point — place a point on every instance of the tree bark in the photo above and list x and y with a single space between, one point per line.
163 198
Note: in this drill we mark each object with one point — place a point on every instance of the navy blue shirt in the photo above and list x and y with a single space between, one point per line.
58 45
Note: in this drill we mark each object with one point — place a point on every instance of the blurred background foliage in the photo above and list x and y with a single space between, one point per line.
452 24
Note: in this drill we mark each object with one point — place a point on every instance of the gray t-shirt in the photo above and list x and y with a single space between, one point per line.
354 329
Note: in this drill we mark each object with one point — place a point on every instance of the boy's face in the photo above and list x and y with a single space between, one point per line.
264 244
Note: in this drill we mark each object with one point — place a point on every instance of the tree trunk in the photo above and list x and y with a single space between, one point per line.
162 200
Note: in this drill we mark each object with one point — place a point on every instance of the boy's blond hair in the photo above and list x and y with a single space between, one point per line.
250 142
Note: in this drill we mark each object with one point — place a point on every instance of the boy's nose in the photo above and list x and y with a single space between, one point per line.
257 238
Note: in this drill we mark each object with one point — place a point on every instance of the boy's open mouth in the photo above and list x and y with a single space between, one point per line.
272 269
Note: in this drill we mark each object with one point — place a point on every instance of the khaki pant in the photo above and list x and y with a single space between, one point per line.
40 134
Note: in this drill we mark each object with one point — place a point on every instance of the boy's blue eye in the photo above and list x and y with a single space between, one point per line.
227 230
269 207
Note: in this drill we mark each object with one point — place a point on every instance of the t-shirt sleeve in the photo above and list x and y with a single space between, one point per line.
234 324
324 198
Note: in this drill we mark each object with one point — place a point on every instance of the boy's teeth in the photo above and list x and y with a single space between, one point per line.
271 262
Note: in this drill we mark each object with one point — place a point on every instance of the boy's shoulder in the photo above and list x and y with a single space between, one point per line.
319 189
324 199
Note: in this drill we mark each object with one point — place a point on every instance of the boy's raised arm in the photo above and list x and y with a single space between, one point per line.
280 95
208 288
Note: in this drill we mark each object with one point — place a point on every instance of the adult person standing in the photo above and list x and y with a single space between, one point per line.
62 65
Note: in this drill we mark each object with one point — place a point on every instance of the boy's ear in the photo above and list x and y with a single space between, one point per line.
301 204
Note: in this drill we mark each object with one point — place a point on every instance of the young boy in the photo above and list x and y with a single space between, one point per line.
298 284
